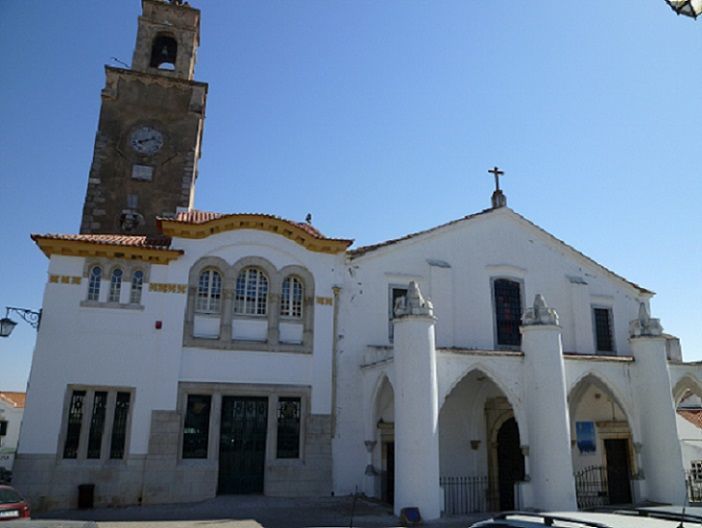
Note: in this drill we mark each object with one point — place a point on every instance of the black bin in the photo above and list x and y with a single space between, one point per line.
86 496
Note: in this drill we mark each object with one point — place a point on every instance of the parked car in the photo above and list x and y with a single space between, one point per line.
12 505
630 519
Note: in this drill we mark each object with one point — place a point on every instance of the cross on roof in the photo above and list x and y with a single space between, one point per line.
496 173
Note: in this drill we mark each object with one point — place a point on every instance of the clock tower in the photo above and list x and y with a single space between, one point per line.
149 133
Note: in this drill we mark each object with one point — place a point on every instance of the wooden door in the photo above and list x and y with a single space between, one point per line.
618 473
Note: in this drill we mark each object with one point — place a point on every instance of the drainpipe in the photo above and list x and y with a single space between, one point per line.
335 344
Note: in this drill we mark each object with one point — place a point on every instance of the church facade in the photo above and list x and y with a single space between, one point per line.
184 354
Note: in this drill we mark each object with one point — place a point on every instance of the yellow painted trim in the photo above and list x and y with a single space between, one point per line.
261 223
81 248
325 301
64 279
167 287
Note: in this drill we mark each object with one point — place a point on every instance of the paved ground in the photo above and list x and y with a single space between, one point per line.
246 512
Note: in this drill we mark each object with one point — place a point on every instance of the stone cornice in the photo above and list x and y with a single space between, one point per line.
153 78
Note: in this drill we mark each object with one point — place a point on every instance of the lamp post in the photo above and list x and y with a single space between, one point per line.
691 8
30 316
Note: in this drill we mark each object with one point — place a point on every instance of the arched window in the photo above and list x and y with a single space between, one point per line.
115 285
209 292
137 286
251 292
291 298
163 53
508 312
94 283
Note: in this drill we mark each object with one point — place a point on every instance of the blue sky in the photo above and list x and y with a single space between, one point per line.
382 118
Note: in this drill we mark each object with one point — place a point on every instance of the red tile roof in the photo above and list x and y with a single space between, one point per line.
694 416
15 399
201 217
149 242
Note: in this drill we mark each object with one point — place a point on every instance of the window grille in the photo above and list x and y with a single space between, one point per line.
94 283
115 285
508 312
75 420
209 292
97 424
119 426
137 287
603 329
291 300
288 428
251 292
197 426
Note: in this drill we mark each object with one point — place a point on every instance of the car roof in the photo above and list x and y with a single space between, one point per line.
570 519
618 520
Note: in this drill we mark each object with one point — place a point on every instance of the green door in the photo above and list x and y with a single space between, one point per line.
242 444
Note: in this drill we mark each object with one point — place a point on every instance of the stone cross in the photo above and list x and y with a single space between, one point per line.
496 173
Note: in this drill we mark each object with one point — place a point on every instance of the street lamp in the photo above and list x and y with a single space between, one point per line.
30 316
691 8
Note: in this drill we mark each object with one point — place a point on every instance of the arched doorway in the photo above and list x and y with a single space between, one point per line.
480 455
510 463
603 452
687 395
384 451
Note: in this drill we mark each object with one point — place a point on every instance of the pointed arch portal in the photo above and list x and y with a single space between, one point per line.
604 458
480 453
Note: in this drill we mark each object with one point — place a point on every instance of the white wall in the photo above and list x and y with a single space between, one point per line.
121 347
495 244
8 443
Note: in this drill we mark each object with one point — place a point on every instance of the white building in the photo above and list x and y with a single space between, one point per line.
244 353
11 410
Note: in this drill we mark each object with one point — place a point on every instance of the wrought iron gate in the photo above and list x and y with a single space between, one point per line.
591 487
464 495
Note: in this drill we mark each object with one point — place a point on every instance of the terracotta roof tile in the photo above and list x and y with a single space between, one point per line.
150 242
15 399
201 217
694 416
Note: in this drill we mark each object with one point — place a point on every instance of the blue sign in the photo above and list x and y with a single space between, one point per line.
585 434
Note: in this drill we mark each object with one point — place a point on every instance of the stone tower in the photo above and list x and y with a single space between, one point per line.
149 134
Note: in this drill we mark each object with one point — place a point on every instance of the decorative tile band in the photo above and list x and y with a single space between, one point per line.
325 300
64 279
165 287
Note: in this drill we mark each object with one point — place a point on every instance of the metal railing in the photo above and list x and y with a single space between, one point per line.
693 479
591 487
464 495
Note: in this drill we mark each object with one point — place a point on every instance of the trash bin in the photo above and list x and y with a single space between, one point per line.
86 496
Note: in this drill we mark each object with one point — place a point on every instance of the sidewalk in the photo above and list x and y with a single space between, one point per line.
252 511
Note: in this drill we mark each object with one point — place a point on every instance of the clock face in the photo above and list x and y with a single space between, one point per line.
146 140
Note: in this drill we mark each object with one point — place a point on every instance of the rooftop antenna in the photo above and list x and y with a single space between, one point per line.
115 59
